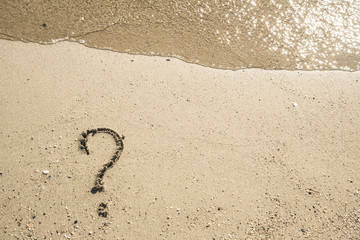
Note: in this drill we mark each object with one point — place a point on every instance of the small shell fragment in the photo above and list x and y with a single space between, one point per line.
294 104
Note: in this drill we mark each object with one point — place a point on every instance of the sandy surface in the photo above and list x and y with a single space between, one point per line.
208 154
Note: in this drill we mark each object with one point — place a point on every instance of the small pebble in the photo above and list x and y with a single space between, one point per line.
46 172
295 104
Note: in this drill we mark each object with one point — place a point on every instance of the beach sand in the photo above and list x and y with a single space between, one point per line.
208 154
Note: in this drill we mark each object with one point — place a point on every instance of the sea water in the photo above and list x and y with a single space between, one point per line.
229 34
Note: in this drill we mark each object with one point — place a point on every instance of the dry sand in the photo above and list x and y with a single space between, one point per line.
209 154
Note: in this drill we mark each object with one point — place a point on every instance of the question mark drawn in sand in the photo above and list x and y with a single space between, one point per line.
99 184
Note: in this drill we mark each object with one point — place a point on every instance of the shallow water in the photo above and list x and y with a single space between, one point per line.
268 34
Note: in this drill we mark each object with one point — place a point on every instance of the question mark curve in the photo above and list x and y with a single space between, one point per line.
99 184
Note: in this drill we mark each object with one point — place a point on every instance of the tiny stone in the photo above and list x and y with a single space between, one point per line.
295 104
46 172
303 230
69 176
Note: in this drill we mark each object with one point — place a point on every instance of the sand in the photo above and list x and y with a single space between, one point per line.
208 154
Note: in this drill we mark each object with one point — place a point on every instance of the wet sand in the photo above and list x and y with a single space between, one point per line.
208 154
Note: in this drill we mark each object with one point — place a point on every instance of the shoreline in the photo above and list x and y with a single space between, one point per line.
174 57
